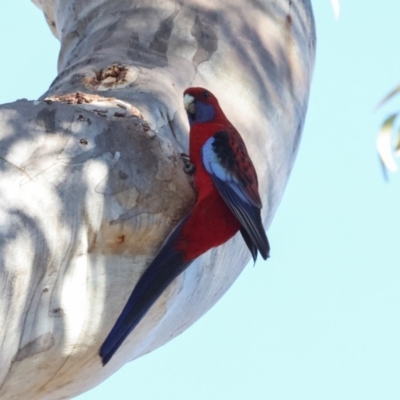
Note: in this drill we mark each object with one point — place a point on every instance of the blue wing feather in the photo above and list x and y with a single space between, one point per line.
252 247
234 193
247 214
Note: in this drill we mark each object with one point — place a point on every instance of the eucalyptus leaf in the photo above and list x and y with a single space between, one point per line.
384 143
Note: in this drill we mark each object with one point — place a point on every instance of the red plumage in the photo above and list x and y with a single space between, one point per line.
211 222
225 179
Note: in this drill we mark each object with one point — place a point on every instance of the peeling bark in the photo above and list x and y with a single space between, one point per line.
92 178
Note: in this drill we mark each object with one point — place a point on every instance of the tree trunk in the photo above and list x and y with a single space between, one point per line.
92 180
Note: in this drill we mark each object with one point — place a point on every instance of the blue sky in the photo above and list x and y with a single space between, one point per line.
320 319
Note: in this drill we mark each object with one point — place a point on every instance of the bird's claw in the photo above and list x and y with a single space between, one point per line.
189 168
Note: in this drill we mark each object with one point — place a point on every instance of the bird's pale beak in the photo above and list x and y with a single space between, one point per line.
188 102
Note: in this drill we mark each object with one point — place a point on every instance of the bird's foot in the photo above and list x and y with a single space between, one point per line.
189 168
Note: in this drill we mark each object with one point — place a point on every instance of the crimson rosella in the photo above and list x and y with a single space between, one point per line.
227 202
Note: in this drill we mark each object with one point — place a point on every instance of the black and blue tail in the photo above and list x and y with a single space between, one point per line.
167 265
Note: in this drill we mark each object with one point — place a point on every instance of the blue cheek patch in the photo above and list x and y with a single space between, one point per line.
204 113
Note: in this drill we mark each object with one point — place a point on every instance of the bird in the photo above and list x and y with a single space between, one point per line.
228 201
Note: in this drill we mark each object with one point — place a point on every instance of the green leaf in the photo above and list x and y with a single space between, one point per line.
384 143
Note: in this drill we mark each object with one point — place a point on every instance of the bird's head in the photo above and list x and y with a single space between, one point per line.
200 104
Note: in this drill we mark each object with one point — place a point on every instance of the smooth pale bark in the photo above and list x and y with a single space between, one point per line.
92 182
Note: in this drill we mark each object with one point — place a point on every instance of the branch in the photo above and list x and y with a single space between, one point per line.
92 178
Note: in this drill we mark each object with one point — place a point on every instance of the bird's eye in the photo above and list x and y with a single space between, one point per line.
206 94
